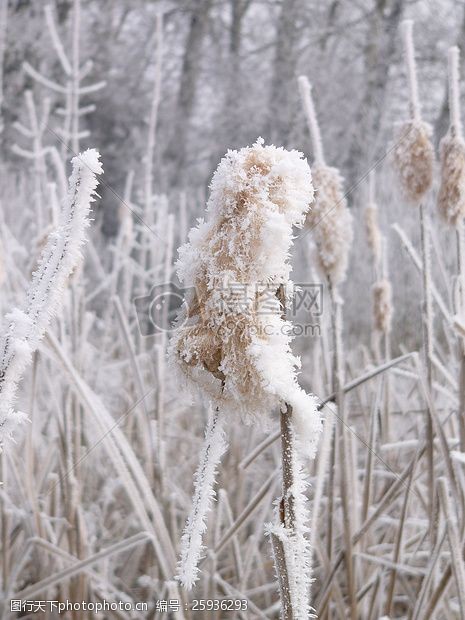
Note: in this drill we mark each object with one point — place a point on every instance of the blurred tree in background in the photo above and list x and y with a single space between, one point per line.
229 70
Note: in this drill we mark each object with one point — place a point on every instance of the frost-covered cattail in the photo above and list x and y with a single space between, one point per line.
413 153
413 160
24 327
329 218
381 291
192 547
331 223
232 342
2 262
382 305
373 232
451 196
451 202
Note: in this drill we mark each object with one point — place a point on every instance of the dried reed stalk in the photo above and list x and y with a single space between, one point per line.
224 344
331 225
451 206
413 159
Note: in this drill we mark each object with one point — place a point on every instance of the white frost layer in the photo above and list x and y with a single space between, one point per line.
296 544
191 541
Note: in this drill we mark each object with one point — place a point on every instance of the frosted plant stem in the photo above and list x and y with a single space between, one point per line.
387 357
25 327
291 547
454 99
323 460
29 458
456 131
287 509
168 263
36 153
290 544
144 416
310 114
458 566
338 382
148 180
333 460
56 41
461 339
283 577
398 544
160 409
368 477
191 541
331 490
151 143
426 582
5 529
429 347
387 390
74 98
407 34
3 32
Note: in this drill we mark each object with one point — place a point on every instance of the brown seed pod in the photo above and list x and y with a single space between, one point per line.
451 196
413 159
382 305
232 341
330 222
373 232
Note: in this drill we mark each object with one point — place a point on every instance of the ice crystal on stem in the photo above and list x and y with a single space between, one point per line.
25 327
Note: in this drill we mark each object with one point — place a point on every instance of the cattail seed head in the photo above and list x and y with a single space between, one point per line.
413 159
331 223
382 306
232 340
372 231
451 196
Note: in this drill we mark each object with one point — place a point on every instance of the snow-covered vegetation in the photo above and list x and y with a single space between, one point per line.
246 401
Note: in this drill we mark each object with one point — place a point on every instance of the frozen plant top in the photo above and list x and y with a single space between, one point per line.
413 159
89 159
330 222
233 341
257 195
412 153
451 195
24 326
